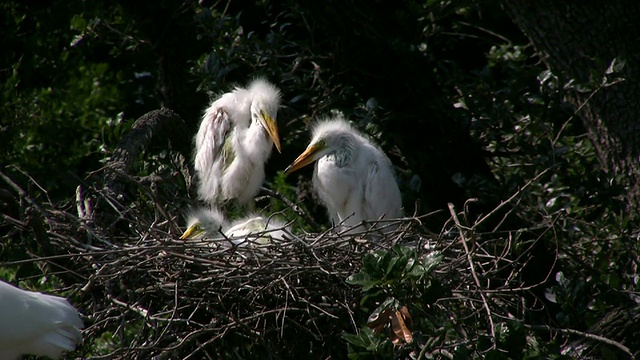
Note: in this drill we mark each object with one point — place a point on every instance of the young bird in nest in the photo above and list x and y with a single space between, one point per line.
352 176
233 143
205 223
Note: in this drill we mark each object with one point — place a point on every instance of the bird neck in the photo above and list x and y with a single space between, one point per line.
256 141
344 153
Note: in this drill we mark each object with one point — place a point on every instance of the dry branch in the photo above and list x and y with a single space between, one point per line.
159 126
155 296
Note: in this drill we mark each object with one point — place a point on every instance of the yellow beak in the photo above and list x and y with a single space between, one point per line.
272 130
306 158
189 233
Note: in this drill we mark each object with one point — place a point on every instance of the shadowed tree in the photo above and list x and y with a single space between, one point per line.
375 50
596 45
589 42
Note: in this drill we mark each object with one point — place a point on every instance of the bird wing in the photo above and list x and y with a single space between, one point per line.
35 323
381 193
211 137
209 161
372 194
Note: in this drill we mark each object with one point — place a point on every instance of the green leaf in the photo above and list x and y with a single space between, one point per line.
389 302
410 264
355 340
364 339
416 271
370 263
401 259
371 295
358 278
431 261
392 266
545 76
78 23
370 285
364 280
384 258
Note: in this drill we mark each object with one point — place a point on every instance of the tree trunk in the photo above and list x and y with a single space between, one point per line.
577 39
162 126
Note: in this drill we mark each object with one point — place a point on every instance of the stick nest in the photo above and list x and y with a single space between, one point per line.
145 294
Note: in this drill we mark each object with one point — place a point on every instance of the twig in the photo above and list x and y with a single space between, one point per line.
473 273
297 209
23 194
585 335
505 202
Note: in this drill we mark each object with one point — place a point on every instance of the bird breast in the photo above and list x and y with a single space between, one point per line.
334 180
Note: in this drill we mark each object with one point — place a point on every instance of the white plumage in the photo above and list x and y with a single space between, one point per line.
32 323
205 223
268 228
234 141
352 176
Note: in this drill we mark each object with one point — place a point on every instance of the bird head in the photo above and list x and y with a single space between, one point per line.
329 136
202 222
264 108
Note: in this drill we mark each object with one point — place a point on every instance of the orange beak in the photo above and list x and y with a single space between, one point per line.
272 129
189 233
306 158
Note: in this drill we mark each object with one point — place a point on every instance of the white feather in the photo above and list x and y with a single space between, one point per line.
32 323
353 177
235 123
268 228
211 222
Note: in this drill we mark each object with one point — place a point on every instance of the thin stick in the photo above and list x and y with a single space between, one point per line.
583 334
292 206
505 202
473 272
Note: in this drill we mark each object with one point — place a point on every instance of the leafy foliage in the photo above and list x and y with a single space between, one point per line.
452 91
401 278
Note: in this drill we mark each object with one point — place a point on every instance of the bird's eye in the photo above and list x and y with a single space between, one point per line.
264 115
257 115
198 227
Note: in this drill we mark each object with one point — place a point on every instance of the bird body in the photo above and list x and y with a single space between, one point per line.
352 176
205 223
36 324
234 141
268 229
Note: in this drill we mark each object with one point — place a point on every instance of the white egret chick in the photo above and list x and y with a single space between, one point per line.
353 177
268 228
234 141
204 223
32 323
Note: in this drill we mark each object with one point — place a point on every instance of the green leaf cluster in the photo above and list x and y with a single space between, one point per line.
390 279
385 272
